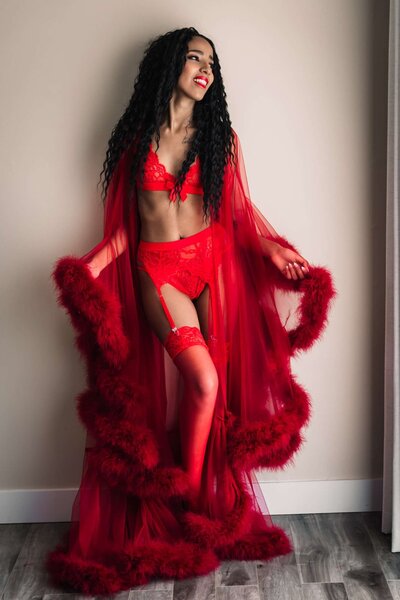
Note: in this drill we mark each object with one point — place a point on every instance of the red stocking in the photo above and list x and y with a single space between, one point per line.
193 359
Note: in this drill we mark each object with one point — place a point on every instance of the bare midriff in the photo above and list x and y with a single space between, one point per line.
165 221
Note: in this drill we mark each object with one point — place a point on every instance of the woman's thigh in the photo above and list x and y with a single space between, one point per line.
201 304
193 358
180 307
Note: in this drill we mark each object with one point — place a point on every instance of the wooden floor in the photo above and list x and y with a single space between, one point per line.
337 557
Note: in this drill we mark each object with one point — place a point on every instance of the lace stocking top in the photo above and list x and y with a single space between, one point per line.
156 177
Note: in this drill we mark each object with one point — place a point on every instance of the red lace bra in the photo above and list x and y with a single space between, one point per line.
156 177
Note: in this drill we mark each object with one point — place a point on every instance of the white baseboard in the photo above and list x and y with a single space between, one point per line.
282 497
36 506
322 496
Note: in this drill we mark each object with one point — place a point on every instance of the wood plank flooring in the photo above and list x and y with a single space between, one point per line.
341 556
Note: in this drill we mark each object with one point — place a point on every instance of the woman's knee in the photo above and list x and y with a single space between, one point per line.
199 373
206 383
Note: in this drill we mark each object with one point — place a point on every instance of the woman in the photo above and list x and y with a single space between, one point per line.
182 313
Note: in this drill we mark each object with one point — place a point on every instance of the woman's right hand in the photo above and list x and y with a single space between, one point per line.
94 270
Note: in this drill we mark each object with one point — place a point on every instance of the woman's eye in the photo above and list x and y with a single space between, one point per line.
196 57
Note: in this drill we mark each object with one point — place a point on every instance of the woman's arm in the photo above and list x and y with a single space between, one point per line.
109 252
268 246
289 262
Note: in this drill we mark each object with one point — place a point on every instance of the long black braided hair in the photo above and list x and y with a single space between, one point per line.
213 141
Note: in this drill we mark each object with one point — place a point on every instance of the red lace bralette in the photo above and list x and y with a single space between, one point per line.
156 177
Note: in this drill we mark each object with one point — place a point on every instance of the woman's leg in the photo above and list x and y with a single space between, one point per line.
196 366
196 411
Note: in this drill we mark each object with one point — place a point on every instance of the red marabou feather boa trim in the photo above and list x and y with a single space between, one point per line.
127 456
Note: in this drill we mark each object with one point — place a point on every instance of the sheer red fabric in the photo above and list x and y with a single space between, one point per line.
131 521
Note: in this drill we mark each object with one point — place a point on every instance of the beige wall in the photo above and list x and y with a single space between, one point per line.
306 89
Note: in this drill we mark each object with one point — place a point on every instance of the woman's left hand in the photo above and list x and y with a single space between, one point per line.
290 264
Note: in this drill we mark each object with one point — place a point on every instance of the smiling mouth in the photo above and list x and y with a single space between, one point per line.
201 82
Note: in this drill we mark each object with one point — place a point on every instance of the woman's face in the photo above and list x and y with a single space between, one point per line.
197 74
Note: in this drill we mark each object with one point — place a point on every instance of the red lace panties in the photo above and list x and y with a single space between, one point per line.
187 265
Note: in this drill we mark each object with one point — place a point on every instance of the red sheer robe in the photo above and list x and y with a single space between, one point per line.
129 521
